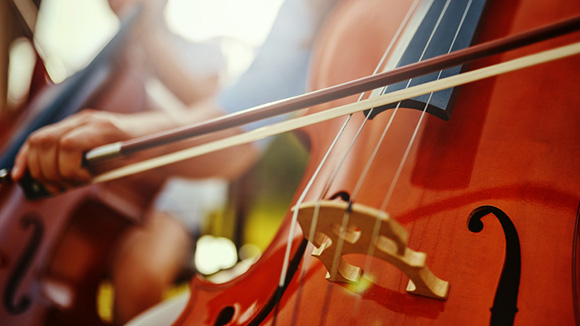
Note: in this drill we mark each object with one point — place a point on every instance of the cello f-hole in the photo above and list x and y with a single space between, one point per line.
13 307
343 195
504 309
225 316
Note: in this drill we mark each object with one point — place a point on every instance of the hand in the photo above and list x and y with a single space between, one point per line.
53 155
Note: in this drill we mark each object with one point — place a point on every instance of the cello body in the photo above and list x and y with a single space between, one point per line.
490 196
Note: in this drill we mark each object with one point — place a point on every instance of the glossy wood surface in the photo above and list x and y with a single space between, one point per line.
512 143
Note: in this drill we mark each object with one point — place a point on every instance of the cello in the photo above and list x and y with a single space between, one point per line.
463 169
490 197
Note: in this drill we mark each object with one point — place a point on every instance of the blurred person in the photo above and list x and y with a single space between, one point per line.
151 256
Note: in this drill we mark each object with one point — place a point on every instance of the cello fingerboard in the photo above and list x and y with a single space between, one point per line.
447 26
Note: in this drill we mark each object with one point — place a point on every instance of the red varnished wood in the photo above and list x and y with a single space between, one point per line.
511 142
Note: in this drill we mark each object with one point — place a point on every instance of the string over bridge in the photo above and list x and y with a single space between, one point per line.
333 240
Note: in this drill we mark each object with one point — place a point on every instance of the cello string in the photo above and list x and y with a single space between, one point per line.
397 36
365 172
346 215
328 183
337 167
382 210
394 40
330 150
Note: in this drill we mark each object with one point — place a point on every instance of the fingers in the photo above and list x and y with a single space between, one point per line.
53 155
20 165
71 150
42 159
43 152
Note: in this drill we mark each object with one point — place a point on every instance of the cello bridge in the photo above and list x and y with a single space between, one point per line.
332 241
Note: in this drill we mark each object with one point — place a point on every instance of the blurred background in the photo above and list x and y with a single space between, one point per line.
65 35
69 33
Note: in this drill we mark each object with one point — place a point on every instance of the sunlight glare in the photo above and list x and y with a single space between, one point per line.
20 68
69 33
247 21
214 254
241 26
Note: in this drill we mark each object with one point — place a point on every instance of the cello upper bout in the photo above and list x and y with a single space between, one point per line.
353 40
